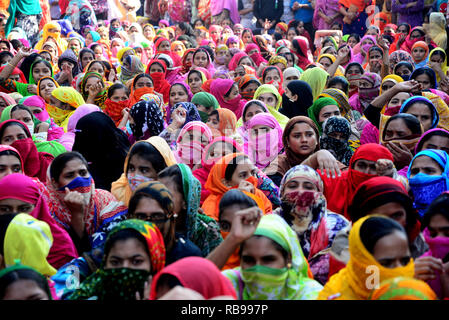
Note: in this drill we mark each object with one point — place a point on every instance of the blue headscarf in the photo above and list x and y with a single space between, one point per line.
95 36
435 116
192 111
426 188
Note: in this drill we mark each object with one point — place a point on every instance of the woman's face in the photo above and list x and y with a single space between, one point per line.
291 34
415 35
251 88
392 251
375 56
200 59
194 135
259 130
269 99
298 184
239 72
178 50
252 110
233 94
148 33
398 99
437 142
364 84
403 71
150 210
213 122
119 95
164 46
195 82
86 59
24 289
436 58
9 164
326 62
302 140
178 94
97 67
242 172
40 70
396 130
424 80
155 67
352 42
89 39
247 38
387 85
23 116
261 251
393 210
423 113
327 112
438 226
143 82
93 81
46 87
246 61
12 134
15 206
139 165
73 169
116 45
353 74
127 53
219 149
179 203
425 165
50 49
98 52
402 29
129 253
418 54
3 46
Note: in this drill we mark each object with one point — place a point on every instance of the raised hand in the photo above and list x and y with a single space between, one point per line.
328 162
245 223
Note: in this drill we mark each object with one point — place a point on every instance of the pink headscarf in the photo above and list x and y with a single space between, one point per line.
257 57
233 64
210 66
204 71
114 50
217 7
21 187
191 153
266 147
8 99
68 139
37 101
218 88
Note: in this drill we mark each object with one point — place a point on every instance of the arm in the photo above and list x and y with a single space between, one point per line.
323 159
385 70
341 55
417 7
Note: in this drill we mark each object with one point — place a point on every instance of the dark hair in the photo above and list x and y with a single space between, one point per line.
25 66
83 51
230 89
250 82
389 38
230 169
256 102
13 123
148 152
186 27
59 163
169 280
406 25
198 19
438 206
117 86
16 44
194 71
40 60
142 75
10 153
99 62
277 36
174 173
3 54
206 49
410 121
375 228
276 245
298 49
23 274
427 71
285 54
354 35
190 39
403 63
440 53
429 135
21 107
235 197
430 106
179 84
376 48
358 65
269 68
339 80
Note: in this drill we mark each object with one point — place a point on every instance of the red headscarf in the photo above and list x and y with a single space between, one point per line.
186 65
198 274
233 64
20 187
257 57
175 57
301 44
340 190
4 147
161 85
14 72
408 43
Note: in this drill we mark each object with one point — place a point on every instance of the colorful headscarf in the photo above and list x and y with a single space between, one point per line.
403 288
207 100
316 107
415 99
274 110
148 120
316 78
218 88
135 67
338 147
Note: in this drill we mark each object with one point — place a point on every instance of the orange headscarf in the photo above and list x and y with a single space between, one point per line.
227 123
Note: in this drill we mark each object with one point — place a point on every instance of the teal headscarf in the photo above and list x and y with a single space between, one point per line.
27 7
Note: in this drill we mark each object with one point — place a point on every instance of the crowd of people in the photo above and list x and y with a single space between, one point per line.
224 149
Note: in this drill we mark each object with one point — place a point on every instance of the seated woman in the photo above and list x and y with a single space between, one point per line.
232 171
223 123
297 99
116 103
388 197
10 161
227 94
63 103
428 176
335 138
76 204
202 230
27 240
197 274
273 75
304 209
13 279
403 288
157 69
153 202
264 141
248 85
205 104
181 114
146 120
19 193
377 242
15 134
94 89
141 84
195 79
270 96
272 236
145 160
68 66
369 88
250 109
45 86
122 275
322 109
430 267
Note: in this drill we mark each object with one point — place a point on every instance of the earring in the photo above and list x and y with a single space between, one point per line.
289 265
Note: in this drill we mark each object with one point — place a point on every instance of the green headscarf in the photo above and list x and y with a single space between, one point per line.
269 88
27 7
264 283
317 79
207 100
22 88
315 108
202 230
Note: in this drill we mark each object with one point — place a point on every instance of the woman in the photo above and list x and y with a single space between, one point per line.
326 12
408 12
205 104
437 60
20 193
233 170
198 274
117 102
222 122
153 202
304 209
76 197
250 109
373 241
336 133
202 230
369 88
145 160
365 44
428 177
227 94
248 85
142 84
264 140
122 276
202 58
288 269
403 288
269 95
253 51
317 79
434 139
416 34
103 145
322 109
68 139
430 266
131 67
420 54
196 78
52 32
68 66
157 69
16 134
300 49
146 120
63 103
423 109
94 89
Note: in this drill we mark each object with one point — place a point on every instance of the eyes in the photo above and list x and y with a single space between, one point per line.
391 263
225 226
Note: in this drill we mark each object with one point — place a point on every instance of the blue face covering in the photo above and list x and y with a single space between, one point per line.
78 182
405 77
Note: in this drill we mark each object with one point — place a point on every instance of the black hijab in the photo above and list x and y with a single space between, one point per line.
300 106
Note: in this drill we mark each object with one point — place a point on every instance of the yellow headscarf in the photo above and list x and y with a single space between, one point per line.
393 78
317 79
443 65
60 43
269 88
340 70
67 95
120 188
28 240
442 109
436 29
350 283
178 43
403 288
